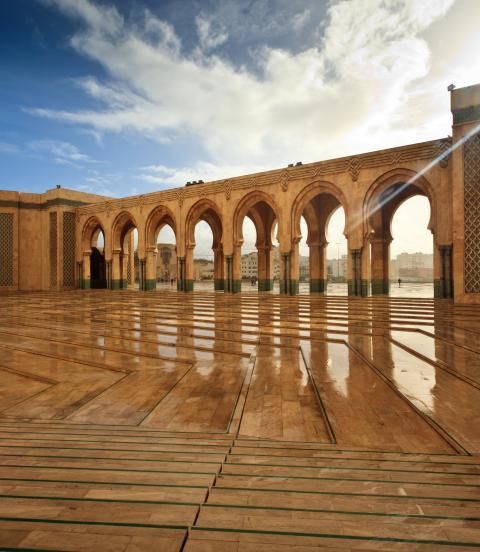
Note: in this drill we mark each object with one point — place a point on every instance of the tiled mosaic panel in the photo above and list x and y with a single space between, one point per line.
6 249
53 250
471 158
69 250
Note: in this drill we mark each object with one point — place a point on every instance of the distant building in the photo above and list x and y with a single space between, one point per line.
250 265
337 268
202 269
416 267
166 262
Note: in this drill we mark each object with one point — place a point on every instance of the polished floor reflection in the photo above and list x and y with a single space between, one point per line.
243 422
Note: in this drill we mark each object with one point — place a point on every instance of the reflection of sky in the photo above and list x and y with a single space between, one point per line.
415 378
338 368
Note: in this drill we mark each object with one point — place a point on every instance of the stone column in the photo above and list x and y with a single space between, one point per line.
265 268
218 282
151 269
318 272
79 274
358 283
86 283
181 285
443 287
228 272
380 253
237 270
189 269
108 274
117 266
142 274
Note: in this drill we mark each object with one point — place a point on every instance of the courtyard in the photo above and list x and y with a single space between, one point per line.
207 421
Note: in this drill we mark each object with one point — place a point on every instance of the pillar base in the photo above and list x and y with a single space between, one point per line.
237 286
265 285
362 292
443 289
189 285
290 287
86 284
380 287
218 285
318 286
150 285
119 284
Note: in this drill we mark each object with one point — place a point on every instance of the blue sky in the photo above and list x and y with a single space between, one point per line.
132 96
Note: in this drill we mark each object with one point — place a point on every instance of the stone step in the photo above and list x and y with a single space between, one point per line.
335 462
421 477
111 464
359 502
374 487
217 540
81 537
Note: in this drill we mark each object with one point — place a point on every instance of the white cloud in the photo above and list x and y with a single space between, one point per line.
366 85
301 19
210 36
61 152
7 147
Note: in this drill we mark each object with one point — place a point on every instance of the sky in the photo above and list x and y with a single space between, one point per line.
133 96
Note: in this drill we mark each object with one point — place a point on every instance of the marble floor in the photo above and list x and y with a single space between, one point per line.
204 422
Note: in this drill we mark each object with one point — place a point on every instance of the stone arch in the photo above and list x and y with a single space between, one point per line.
384 196
90 228
123 223
303 202
316 203
252 205
158 217
263 211
388 192
207 210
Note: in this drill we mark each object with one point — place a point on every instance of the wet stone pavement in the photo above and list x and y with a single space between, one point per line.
206 421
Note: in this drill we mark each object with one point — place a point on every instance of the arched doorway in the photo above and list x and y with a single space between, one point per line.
204 248
94 266
161 250
127 270
396 192
411 250
255 224
317 211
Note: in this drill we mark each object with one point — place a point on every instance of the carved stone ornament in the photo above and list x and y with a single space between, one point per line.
253 183
354 166
284 180
180 196
141 202
444 154
396 158
108 209
227 187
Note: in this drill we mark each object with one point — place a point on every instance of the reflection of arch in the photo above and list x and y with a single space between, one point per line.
206 210
123 223
157 219
310 202
387 193
261 208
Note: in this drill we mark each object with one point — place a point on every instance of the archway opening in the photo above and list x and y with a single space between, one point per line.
98 279
259 253
337 254
166 258
203 257
399 219
411 250
125 263
322 246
